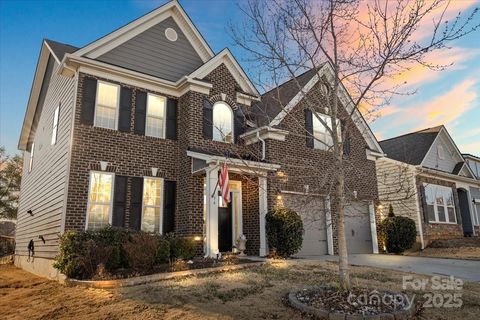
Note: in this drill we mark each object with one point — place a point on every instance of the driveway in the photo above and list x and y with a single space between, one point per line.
464 269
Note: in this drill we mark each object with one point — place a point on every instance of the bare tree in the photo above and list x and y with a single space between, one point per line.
366 44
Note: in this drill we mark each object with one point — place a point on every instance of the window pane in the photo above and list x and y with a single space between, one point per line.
154 127
429 191
431 213
441 213
449 197
152 190
105 117
156 106
107 95
151 219
101 187
323 139
98 216
222 122
451 214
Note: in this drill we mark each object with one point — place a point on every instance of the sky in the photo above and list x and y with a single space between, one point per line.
450 97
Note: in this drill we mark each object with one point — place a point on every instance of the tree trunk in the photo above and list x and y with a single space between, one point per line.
344 275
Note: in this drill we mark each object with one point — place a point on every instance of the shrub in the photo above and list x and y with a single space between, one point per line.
284 230
141 250
398 233
163 251
181 247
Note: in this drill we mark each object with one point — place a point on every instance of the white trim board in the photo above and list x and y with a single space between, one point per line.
327 71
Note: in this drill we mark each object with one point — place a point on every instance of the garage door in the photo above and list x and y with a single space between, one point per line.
311 209
357 228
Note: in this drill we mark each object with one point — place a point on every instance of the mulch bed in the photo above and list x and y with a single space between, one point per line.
179 265
456 243
361 302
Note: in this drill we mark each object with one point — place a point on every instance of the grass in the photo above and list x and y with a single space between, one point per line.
256 293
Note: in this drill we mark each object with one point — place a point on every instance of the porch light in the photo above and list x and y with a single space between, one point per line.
197 238
279 197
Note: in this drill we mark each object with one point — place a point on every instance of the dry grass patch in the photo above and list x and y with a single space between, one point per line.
256 293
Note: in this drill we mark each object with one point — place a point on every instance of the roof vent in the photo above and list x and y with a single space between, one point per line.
171 34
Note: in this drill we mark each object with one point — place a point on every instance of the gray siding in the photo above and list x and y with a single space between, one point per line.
43 189
152 53
451 156
475 166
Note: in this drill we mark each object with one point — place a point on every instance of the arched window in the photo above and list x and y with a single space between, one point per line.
222 122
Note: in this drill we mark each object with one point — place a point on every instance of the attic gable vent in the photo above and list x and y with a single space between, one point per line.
171 34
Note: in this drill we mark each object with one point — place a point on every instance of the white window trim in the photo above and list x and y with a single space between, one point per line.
30 162
215 128
445 206
55 125
160 227
117 107
164 116
322 145
111 196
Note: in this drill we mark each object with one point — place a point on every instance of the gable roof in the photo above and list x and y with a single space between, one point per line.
121 35
412 147
226 57
293 96
458 167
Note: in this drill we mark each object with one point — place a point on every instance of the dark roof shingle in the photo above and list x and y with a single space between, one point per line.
412 147
60 49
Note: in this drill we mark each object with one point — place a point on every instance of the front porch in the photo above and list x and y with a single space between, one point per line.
224 223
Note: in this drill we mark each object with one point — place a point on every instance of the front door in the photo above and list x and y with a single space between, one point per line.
225 227
465 212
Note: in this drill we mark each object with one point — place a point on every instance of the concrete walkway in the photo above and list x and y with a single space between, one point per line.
463 269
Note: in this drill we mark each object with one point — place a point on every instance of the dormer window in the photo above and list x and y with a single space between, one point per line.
222 122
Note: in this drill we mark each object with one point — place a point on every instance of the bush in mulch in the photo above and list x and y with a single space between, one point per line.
357 301
284 229
109 251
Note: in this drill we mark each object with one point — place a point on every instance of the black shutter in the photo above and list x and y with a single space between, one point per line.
119 199
171 130
239 123
88 101
423 199
346 135
309 127
207 120
136 203
125 109
140 112
169 207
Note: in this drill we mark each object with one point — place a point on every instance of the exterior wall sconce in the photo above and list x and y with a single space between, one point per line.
41 238
355 194
197 238
30 212
279 197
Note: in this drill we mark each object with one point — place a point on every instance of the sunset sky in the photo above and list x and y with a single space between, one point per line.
450 97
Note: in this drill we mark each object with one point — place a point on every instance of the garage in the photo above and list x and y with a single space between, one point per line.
357 228
311 209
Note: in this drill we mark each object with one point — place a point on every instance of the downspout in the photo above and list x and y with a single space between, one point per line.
263 145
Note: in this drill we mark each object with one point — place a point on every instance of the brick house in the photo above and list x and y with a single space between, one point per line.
131 130
425 177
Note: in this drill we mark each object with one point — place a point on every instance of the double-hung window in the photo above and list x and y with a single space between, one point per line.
222 122
155 126
152 204
322 137
106 108
55 125
100 200
440 204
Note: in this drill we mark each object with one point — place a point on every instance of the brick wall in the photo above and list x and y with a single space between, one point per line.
302 165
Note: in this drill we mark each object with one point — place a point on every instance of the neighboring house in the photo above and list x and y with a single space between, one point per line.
131 129
424 176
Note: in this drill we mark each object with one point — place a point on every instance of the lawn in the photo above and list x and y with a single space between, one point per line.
256 293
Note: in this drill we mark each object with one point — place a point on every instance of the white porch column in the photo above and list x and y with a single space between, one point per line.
263 206
329 226
373 227
212 212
